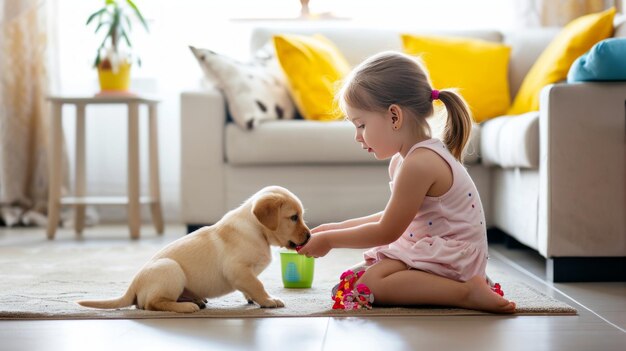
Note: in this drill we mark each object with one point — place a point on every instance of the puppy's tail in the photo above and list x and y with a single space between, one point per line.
123 301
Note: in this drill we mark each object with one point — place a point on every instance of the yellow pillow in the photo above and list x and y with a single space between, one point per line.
576 38
313 65
477 68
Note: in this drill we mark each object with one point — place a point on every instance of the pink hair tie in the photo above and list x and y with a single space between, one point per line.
434 95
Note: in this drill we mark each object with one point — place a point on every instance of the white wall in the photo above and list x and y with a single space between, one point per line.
168 66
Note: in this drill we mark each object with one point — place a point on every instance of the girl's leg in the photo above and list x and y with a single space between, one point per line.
392 283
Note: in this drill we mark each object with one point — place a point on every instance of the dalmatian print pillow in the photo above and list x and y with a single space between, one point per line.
255 91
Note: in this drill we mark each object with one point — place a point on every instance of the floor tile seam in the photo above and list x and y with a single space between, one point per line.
325 334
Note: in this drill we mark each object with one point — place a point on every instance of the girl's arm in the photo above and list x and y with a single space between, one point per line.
411 185
348 223
395 160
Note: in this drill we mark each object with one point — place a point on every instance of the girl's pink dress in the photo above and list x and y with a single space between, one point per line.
448 236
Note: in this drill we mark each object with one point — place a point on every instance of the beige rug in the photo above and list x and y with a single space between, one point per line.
42 280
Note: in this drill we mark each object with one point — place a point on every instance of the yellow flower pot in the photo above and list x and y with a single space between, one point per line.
116 81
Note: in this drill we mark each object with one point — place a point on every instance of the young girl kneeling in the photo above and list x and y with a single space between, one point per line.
429 245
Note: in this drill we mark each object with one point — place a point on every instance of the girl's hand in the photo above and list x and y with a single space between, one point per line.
325 227
317 246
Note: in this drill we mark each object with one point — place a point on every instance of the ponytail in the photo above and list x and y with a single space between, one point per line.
458 127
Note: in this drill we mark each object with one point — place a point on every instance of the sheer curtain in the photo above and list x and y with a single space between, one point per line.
24 83
557 13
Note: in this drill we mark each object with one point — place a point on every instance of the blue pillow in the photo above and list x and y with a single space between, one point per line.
605 61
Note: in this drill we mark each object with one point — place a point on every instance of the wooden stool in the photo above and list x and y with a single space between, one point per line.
79 200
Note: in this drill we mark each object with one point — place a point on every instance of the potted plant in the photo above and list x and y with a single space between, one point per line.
113 59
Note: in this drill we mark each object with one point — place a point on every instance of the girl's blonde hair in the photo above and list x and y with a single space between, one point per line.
394 78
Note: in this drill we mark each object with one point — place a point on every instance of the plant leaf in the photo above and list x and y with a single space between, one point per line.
128 24
126 39
109 34
100 25
139 15
95 14
115 28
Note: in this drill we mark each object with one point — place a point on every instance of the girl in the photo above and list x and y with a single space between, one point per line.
428 247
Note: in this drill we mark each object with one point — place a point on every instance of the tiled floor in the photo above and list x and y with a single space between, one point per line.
600 325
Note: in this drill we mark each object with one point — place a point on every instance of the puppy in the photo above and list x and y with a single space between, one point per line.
216 260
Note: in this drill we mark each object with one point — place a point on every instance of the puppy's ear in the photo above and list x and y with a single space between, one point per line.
266 209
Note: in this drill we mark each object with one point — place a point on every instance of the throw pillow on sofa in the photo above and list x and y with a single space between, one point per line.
605 61
477 68
552 66
313 65
254 92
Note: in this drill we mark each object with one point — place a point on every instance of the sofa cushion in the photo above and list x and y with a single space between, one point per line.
294 142
463 63
605 61
254 91
511 141
312 65
306 142
572 41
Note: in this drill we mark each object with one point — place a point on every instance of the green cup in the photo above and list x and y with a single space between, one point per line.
297 270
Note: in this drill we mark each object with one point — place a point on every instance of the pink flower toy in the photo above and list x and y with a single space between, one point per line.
347 296
496 288
363 289
349 302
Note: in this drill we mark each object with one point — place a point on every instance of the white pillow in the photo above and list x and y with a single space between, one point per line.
255 91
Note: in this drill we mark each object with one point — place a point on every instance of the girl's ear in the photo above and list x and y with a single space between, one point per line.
396 116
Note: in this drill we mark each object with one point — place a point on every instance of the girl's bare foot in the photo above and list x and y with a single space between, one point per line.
481 297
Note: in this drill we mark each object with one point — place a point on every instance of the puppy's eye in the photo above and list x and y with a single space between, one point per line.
294 218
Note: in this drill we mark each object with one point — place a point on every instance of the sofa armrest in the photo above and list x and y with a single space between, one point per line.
582 131
203 115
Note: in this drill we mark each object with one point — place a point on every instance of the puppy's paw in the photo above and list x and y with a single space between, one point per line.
272 302
187 307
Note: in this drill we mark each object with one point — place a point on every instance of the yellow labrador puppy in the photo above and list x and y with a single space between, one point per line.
216 260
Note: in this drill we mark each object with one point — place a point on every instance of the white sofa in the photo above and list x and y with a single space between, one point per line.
552 179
